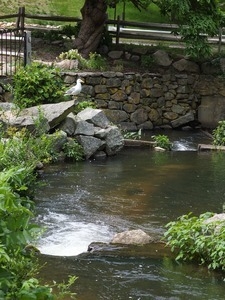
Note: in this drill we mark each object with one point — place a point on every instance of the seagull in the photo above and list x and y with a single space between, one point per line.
76 89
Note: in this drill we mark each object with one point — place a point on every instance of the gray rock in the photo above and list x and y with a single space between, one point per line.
69 124
183 120
115 54
10 118
58 140
6 106
84 128
139 116
186 65
68 64
211 111
132 237
94 116
217 221
90 145
114 140
162 58
100 133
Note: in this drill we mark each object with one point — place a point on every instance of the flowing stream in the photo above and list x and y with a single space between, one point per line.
87 202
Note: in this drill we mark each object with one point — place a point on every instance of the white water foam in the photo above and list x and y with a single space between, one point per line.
69 238
183 146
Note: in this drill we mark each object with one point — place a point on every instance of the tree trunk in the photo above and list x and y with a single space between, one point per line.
93 19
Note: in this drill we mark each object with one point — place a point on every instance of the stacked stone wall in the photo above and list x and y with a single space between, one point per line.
144 101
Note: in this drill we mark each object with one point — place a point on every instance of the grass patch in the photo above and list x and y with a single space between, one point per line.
72 9
67 8
152 14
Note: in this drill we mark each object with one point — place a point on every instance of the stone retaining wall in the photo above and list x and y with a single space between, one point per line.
141 101
153 100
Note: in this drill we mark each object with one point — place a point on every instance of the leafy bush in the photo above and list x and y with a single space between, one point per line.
73 150
69 30
219 134
37 84
194 239
24 149
147 61
162 141
18 267
132 135
84 104
73 54
95 61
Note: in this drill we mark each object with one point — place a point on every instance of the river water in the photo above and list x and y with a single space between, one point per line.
90 201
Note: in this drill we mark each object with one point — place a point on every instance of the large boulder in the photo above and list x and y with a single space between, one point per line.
95 133
184 65
132 237
217 222
162 58
183 120
114 140
50 114
90 145
90 127
94 116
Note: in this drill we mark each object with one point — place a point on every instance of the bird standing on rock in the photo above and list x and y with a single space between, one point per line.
75 90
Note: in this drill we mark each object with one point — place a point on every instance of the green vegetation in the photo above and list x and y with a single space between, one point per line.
84 104
19 155
195 239
73 150
94 62
203 19
37 84
133 135
56 35
219 134
151 14
66 7
72 9
162 141
147 61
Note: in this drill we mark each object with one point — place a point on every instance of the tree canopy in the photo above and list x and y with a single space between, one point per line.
197 19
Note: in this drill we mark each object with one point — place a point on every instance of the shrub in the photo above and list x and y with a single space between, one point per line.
162 141
37 84
194 239
132 135
95 61
69 30
84 104
18 267
147 61
73 150
219 134
24 149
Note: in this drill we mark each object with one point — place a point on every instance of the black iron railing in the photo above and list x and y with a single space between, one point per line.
15 48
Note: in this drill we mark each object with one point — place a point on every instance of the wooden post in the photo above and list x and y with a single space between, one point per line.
118 31
220 39
27 48
20 20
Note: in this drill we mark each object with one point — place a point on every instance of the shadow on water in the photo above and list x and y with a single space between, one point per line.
91 201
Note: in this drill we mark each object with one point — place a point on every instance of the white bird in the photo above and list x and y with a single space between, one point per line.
76 89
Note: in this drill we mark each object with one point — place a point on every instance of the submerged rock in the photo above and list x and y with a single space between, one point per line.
153 249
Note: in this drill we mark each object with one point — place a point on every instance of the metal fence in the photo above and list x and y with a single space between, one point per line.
15 50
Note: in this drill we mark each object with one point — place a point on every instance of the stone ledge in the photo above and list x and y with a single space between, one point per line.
208 147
